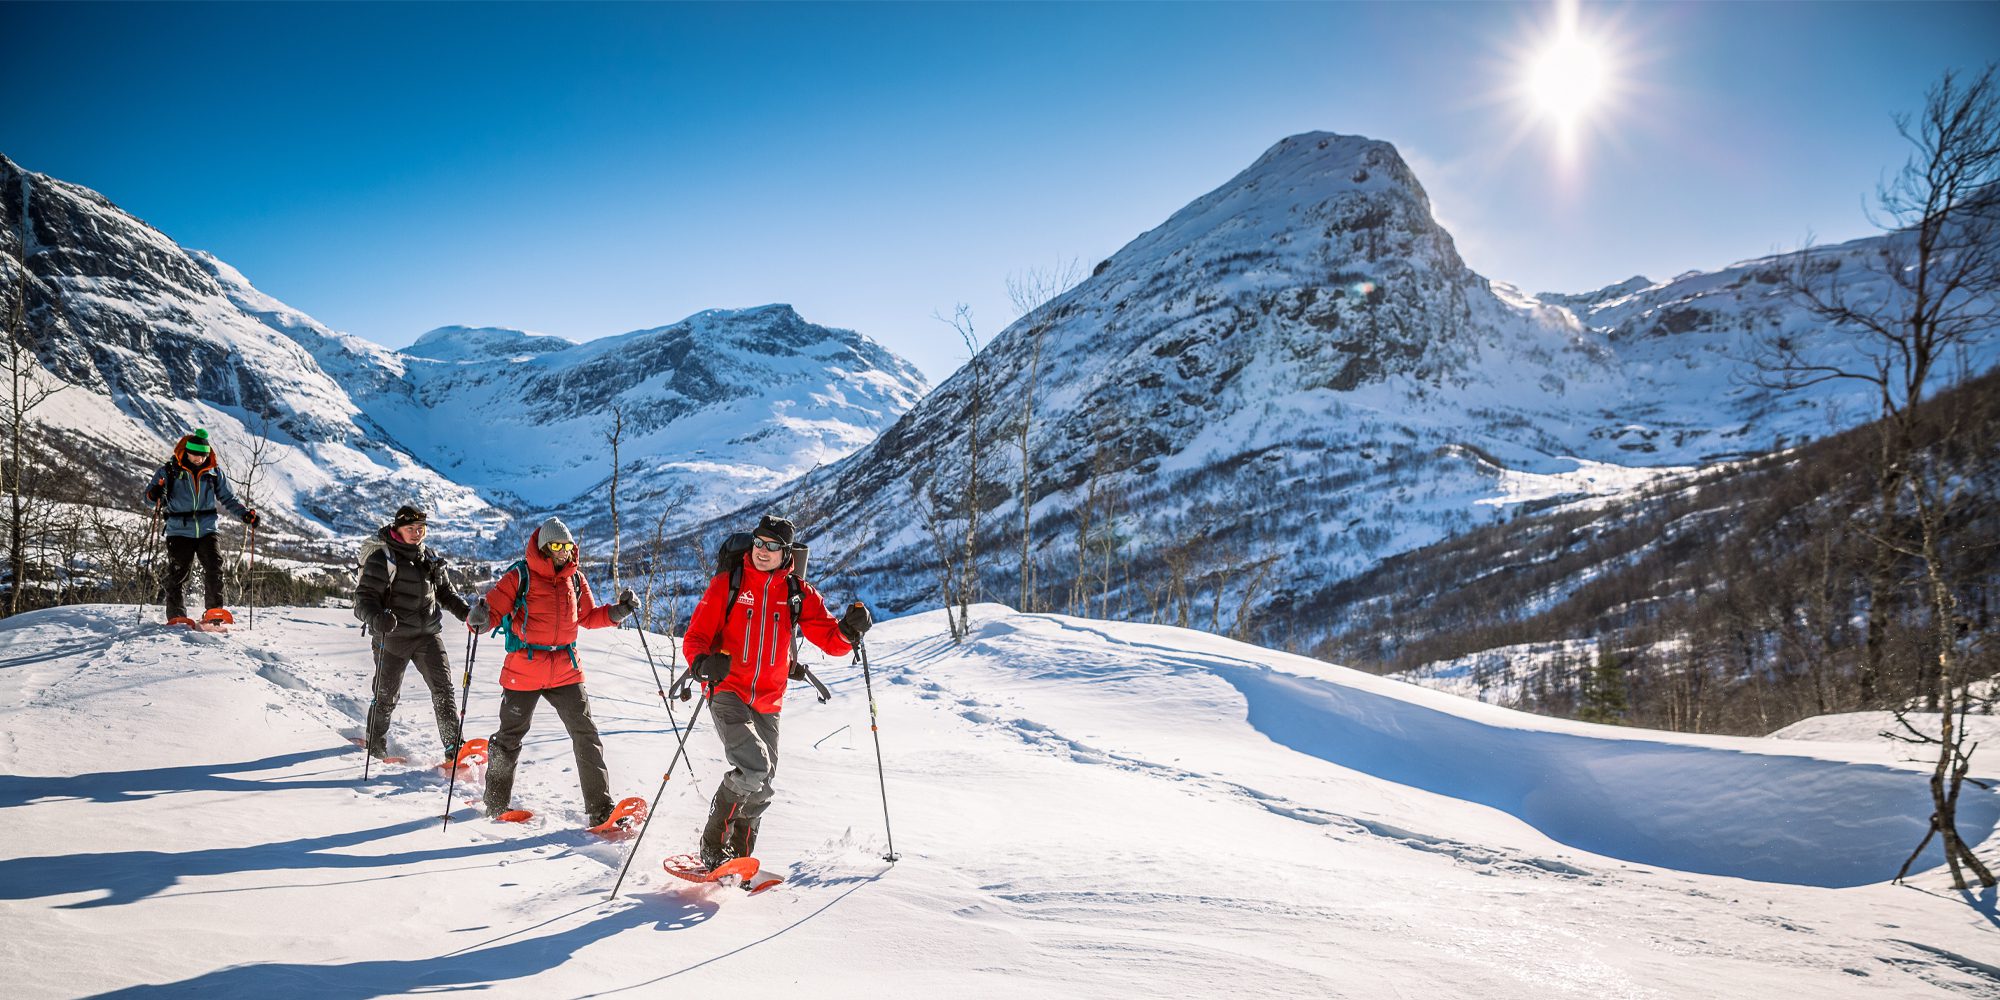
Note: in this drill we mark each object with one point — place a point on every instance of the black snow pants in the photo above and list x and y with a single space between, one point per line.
181 553
433 664
517 710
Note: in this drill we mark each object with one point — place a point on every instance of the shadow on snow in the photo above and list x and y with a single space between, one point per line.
474 968
1767 817
130 876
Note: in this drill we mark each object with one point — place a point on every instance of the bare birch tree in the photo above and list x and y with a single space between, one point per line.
1941 263
613 437
28 386
975 415
1031 292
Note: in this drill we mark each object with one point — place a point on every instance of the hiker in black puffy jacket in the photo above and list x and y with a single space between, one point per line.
404 584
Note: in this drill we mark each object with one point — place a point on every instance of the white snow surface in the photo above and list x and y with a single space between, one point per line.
1872 727
1082 809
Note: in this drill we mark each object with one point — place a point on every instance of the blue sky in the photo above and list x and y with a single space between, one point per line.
588 170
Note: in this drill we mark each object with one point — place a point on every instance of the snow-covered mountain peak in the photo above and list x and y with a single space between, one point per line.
484 343
1314 184
1581 303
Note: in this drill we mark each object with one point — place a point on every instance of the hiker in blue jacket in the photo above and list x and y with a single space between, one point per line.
186 491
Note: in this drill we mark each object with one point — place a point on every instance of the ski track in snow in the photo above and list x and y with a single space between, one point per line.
1083 809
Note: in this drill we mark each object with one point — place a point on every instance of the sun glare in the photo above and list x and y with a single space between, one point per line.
1566 79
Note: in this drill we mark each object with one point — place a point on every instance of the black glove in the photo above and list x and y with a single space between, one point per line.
798 672
250 518
628 602
153 494
856 622
383 623
712 668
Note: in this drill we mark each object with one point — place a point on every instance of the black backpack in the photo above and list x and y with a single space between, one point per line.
729 559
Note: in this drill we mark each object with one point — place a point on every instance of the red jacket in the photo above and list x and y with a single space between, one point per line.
558 604
758 637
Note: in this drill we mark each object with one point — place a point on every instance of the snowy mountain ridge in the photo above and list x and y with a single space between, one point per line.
477 424
483 343
1298 365
1297 361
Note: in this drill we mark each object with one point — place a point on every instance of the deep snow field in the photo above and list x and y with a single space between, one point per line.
1083 809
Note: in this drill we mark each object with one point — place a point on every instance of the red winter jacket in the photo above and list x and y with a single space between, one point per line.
558 604
758 637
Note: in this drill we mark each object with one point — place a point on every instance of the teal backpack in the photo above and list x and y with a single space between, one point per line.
514 642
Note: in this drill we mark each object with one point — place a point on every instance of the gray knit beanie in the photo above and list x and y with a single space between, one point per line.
553 530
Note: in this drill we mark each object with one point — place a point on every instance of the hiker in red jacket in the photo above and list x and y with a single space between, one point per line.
541 601
742 652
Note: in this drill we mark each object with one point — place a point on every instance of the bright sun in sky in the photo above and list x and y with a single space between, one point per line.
1566 79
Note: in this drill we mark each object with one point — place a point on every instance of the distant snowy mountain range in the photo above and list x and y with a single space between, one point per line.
482 425
1290 379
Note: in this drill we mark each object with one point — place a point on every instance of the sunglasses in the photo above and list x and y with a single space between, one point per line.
561 546
768 545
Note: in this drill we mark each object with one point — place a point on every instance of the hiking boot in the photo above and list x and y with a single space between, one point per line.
715 834
743 839
712 857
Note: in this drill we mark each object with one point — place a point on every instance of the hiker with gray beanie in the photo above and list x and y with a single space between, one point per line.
540 602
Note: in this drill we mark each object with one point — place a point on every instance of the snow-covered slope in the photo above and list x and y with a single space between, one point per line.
1082 809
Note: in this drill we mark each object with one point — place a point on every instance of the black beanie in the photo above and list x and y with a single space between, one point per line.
408 515
775 527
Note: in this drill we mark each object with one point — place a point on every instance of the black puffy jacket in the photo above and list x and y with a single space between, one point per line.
412 581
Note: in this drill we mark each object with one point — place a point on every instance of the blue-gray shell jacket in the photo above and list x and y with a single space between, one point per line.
188 499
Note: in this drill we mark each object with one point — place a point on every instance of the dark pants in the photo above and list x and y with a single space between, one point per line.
517 709
180 555
750 742
433 665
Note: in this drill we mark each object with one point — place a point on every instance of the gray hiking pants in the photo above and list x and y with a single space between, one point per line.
517 710
750 742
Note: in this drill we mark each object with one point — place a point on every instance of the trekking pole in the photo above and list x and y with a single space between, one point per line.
152 562
250 572
464 699
651 809
861 653
664 700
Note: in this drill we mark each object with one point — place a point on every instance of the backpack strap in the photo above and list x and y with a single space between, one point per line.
735 590
798 603
516 641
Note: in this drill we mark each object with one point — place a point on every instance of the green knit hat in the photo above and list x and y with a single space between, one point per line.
198 441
